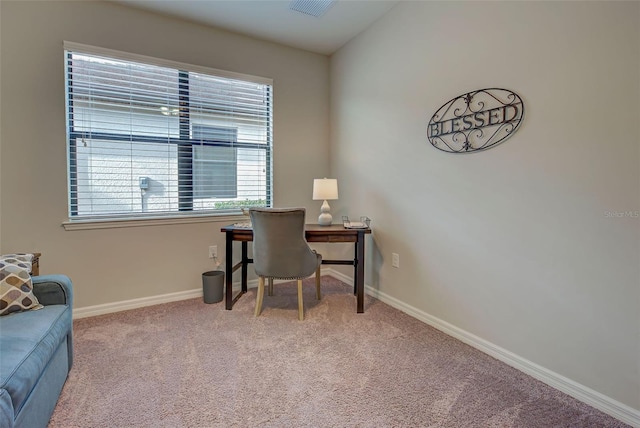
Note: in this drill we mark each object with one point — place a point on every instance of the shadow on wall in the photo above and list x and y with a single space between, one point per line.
372 205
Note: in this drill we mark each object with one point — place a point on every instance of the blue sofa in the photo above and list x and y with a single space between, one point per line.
36 354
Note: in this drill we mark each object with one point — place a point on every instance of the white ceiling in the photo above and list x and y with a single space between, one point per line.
273 20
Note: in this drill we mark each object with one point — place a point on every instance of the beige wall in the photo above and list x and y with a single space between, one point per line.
513 244
0 144
114 265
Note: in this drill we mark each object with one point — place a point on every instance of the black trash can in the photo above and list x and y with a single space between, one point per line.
213 286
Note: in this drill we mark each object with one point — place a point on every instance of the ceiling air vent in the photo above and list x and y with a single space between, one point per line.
315 8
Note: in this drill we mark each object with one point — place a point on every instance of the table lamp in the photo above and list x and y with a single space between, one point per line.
325 189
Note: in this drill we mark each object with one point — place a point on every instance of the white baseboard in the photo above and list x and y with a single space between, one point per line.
125 305
593 398
587 395
108 308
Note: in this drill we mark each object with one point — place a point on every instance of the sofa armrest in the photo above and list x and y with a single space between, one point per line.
53 289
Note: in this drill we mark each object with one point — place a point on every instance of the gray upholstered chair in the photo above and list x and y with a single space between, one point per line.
280 251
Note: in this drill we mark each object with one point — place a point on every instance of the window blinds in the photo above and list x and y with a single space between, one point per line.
153 137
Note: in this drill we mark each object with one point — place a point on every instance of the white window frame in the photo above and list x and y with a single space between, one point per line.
178 216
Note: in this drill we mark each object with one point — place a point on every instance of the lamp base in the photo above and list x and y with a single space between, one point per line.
325 217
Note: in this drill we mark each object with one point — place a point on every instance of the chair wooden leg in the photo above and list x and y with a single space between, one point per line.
318 294
259 296
270 286
300 304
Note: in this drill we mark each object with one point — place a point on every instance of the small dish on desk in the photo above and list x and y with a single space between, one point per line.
362 224
244 224
355 225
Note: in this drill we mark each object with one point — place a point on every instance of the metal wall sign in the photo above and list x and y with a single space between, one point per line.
476 120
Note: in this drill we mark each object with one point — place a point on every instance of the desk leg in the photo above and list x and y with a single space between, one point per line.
229 271
245 262
355 268
360 271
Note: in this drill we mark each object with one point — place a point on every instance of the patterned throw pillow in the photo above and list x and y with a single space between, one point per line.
16 288
23 260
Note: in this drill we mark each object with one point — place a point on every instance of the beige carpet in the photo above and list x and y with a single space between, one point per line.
190 364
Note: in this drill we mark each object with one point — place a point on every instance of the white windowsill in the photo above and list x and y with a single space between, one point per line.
149 221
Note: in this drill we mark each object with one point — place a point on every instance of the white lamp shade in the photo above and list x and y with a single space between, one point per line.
325 189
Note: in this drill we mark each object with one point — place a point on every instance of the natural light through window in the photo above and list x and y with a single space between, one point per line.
149 137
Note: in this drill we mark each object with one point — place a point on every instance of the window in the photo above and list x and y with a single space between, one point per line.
214 165
153 137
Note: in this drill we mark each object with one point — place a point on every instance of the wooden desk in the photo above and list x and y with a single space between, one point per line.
313 233
35 264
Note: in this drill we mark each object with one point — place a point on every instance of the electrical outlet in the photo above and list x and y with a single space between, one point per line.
395 260
213 252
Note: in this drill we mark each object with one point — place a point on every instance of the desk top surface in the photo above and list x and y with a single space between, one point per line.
308 228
